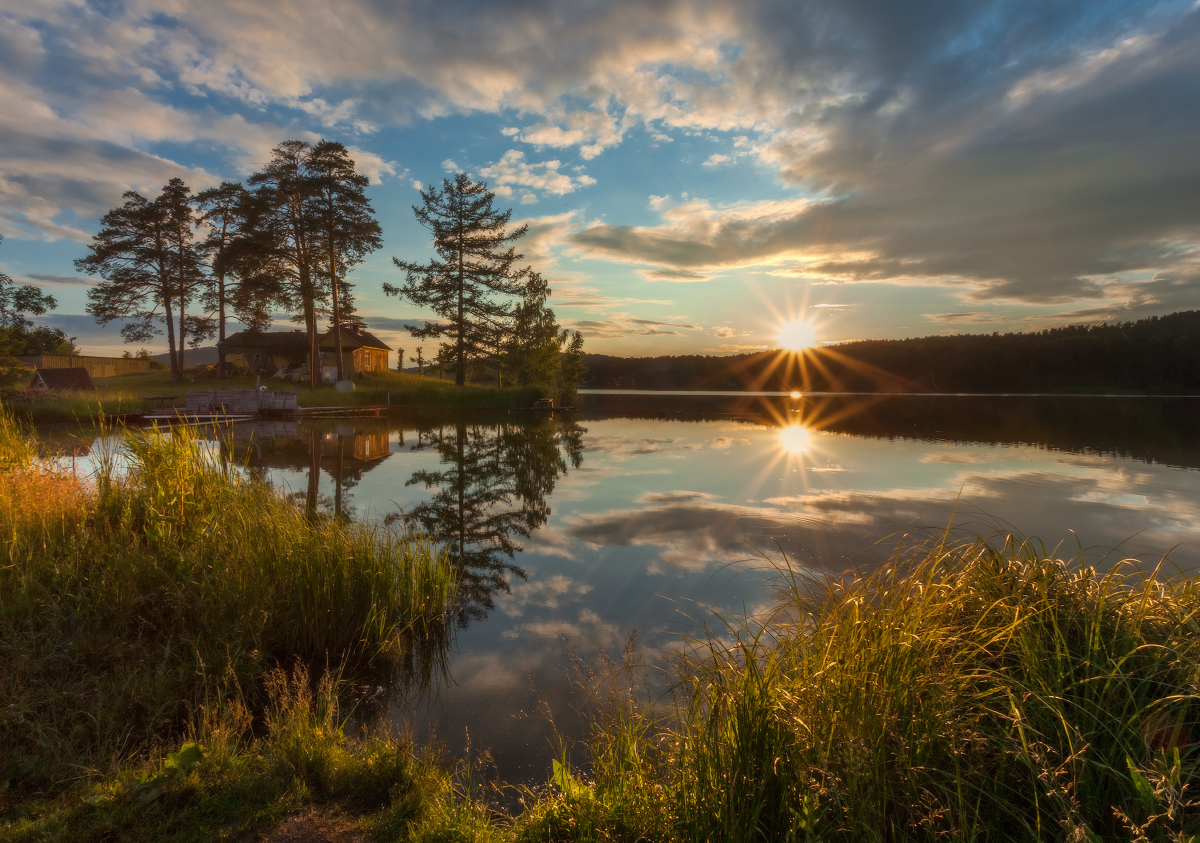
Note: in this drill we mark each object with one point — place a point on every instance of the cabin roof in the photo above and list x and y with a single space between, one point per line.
76 379
352 339
283 340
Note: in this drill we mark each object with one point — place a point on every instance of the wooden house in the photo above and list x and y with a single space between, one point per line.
362 352
266 352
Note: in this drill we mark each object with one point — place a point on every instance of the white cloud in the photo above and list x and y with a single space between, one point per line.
513 171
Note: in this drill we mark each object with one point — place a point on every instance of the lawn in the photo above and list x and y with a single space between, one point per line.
125 394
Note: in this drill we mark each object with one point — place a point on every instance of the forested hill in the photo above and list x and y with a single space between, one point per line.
1158 354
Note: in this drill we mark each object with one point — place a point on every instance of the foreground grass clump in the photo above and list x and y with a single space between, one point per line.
227 781
960 694
168 581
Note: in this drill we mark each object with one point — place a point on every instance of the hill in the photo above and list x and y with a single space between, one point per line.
1157 354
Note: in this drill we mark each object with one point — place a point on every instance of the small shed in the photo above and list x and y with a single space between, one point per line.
76 379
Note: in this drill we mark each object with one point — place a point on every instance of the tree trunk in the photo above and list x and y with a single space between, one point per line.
337 312
176 373
460 376
221 324
182 300
182 329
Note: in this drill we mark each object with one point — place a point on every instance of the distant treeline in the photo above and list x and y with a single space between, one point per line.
1161 353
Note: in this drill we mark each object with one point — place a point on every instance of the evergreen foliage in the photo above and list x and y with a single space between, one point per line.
347 226
144 253
1159 353
473 272
530 352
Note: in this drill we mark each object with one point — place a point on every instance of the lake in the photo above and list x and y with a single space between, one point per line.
652 512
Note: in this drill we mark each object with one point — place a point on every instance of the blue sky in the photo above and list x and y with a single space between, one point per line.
692 172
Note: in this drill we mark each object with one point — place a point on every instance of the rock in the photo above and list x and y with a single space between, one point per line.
344 386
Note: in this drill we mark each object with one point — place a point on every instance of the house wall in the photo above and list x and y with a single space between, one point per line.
370 360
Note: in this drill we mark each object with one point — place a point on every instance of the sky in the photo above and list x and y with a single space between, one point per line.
692 173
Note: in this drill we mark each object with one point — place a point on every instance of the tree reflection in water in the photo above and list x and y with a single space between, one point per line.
492 490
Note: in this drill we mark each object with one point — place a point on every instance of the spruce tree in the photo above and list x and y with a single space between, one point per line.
466 283
573 369
531 351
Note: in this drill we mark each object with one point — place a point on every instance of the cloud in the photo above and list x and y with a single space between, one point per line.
1031 152
970 317
677 275
41 278
513 171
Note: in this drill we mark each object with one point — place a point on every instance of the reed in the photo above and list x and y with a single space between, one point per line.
962 692
170 575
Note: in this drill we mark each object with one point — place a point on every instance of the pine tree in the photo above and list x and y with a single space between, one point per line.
347 225
223 213
184 257
147 263
285 238
466 283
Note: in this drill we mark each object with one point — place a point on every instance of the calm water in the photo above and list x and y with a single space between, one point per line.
577 530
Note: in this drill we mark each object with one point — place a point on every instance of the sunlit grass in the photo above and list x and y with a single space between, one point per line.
959 693
129 598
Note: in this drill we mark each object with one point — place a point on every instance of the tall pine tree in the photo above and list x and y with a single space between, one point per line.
348 228
473 272
147 264
223 214
286 239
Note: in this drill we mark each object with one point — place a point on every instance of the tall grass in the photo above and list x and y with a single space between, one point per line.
127 599
960 693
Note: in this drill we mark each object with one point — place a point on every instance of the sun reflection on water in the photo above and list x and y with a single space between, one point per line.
795 438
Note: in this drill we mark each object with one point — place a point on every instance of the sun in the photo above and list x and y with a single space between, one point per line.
797 335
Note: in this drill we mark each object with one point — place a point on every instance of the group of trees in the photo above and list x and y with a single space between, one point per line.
492 311
287 239
1156 353
190 261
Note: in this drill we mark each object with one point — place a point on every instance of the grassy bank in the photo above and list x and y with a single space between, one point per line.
168 582
123 394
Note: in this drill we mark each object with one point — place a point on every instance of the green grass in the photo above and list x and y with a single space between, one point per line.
125 394
962 693
130 600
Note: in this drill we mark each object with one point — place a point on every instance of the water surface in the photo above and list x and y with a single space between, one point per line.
575 530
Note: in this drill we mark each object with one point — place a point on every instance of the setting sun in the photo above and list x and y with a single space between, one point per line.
797 335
